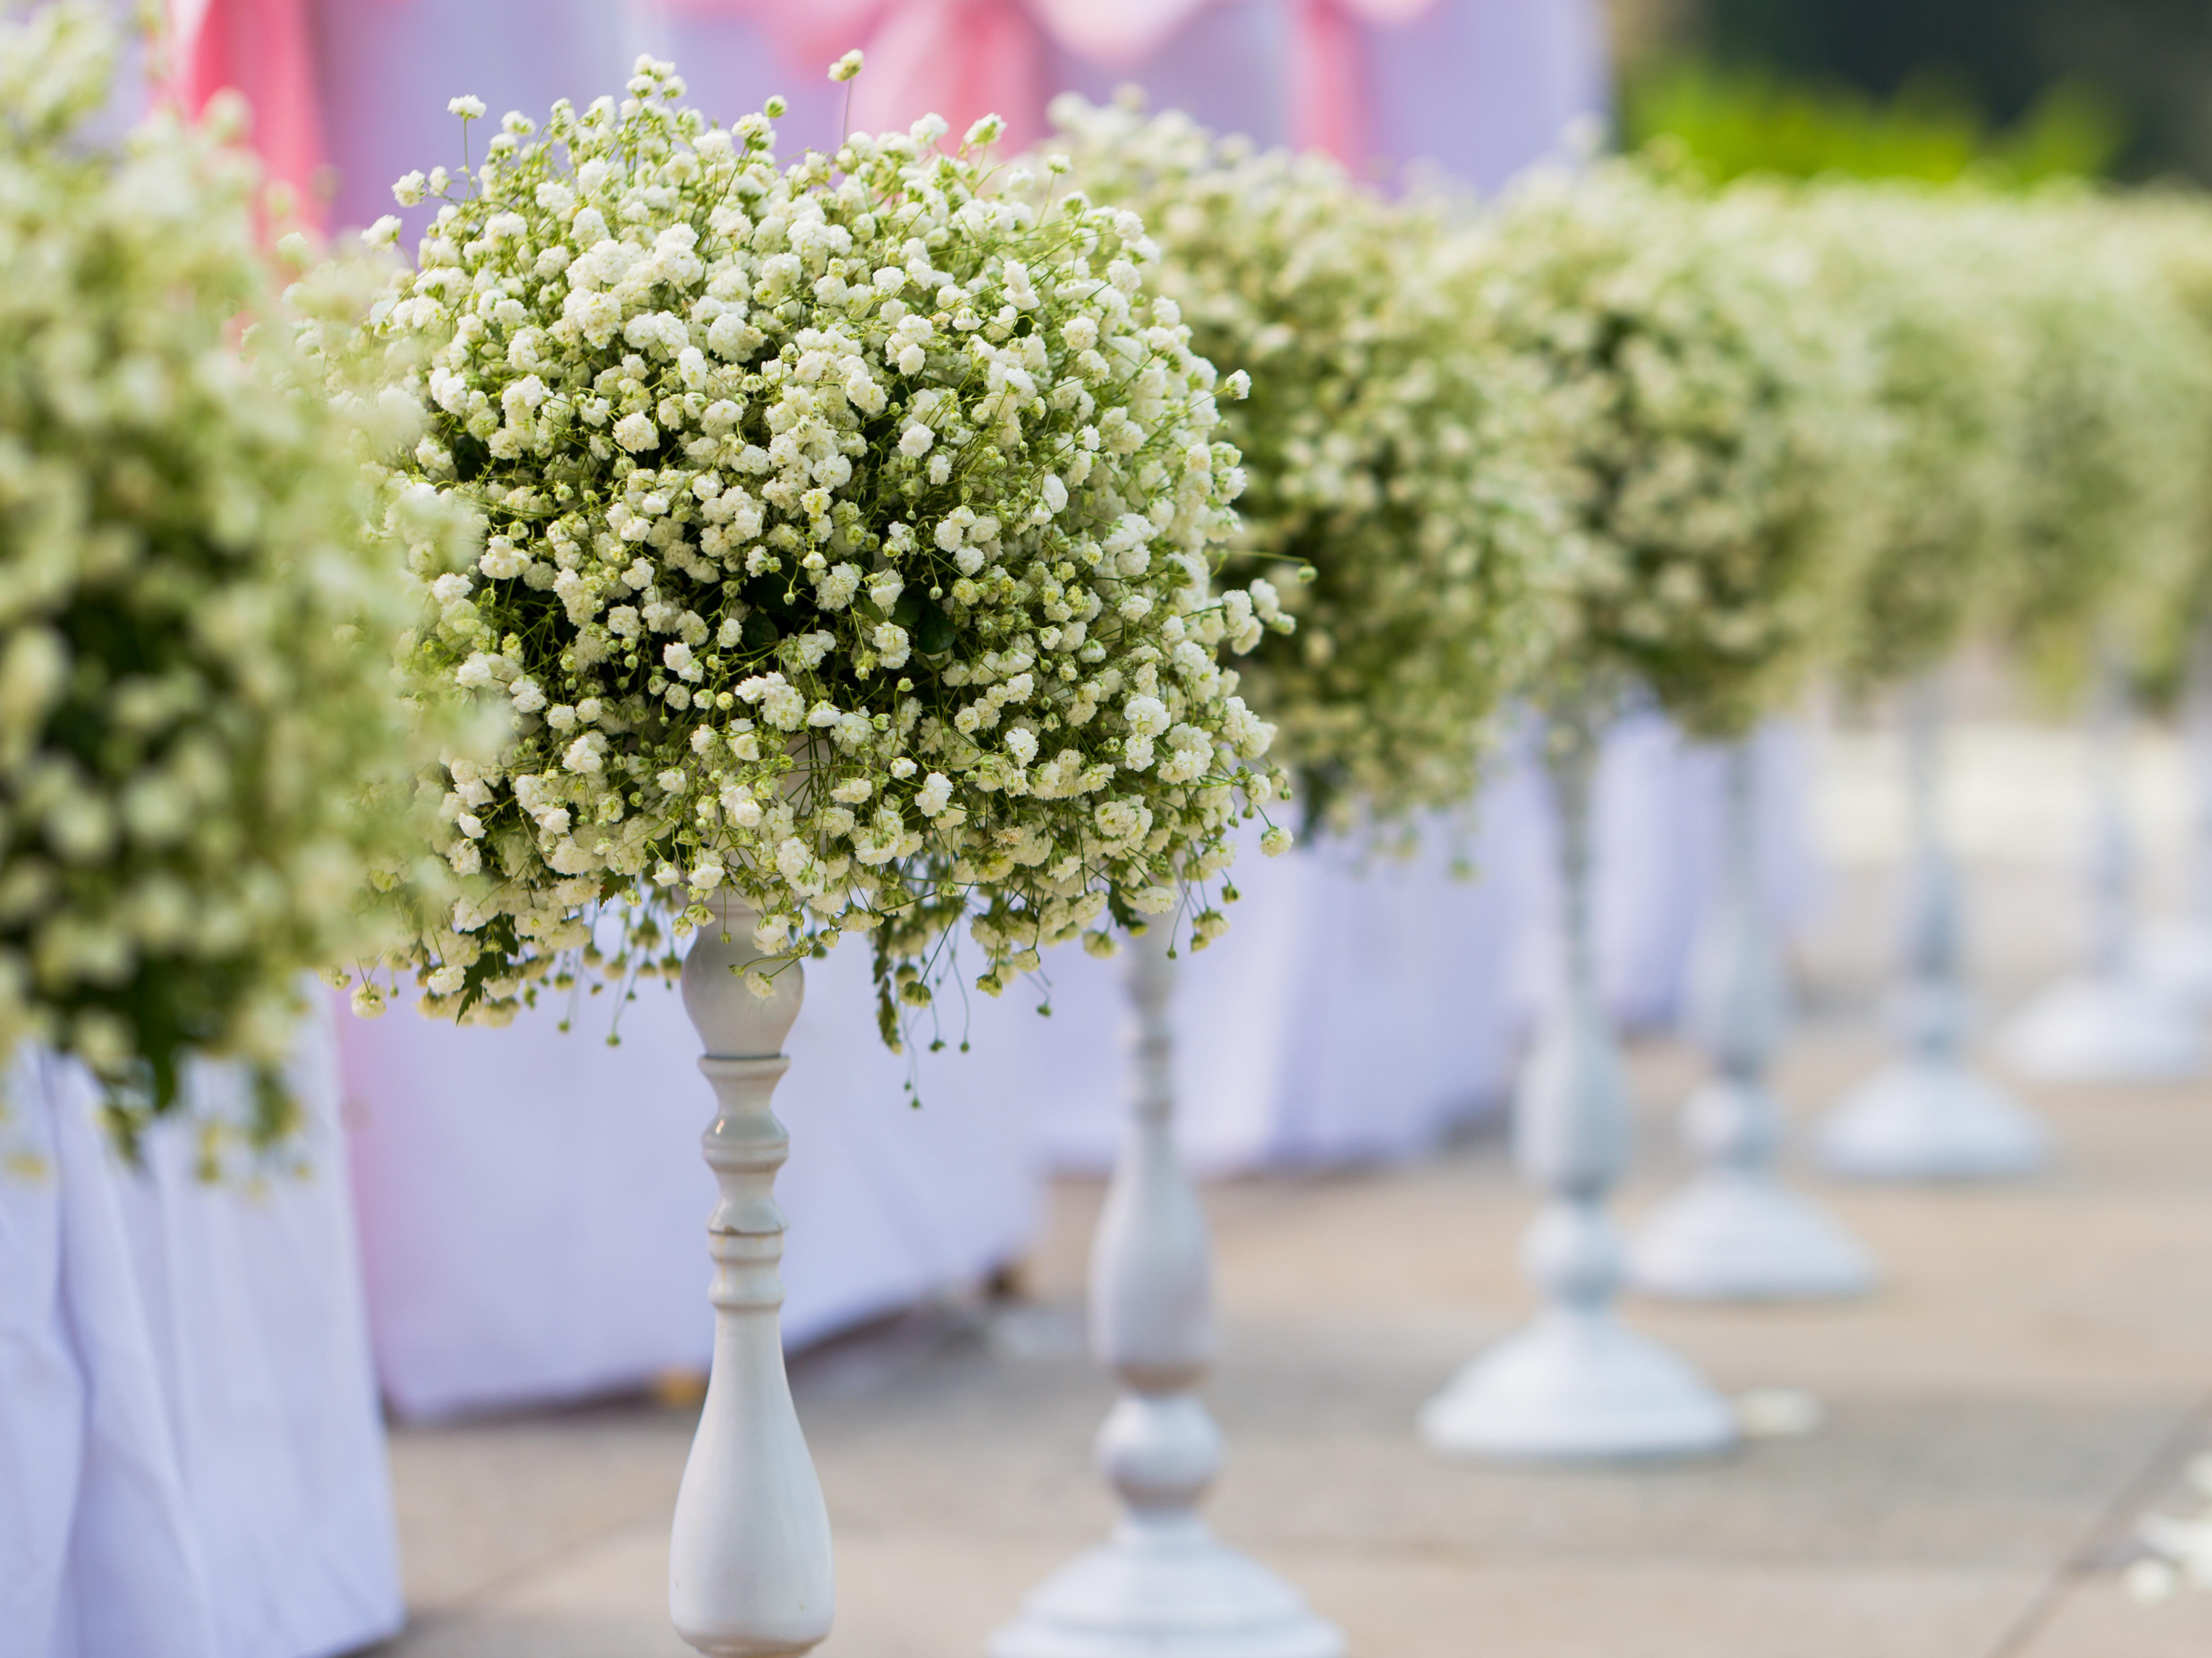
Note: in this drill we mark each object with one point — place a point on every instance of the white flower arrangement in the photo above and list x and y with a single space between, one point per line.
2109 520
196 697
2163 619
1397 504
848 534
1924 270
1719 420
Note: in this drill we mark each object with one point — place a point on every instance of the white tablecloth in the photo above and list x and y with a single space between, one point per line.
533 1205
1355 1013
1656 850
191 1463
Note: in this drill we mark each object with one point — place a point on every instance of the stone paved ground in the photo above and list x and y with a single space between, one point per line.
2033 1376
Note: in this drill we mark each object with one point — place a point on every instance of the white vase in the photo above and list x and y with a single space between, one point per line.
2113 1023
1930 1115
748 1566
1735 1232
1161 1586
1575 1384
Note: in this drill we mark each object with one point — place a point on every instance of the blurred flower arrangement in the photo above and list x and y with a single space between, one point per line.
1919 267
1399 501
1721 434
848 538
2116 393
2166 613
200 754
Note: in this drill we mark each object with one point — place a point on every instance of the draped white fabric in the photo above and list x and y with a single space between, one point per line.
1355 1013
1656 861
533 1205
191 1463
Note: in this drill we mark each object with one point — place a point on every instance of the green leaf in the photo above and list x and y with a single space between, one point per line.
934 633
758 633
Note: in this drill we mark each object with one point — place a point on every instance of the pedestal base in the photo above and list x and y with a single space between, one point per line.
1729 1235
2100 1028
2177 958
1930 1120
1166 1589
1577 1387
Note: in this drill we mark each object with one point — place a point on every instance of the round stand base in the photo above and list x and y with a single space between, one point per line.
1930 1120
1729 1235
2177 958
1165 1588
2103 1028
1577 1387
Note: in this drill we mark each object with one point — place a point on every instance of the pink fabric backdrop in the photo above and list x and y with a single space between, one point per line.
1367 80
264 49
966 58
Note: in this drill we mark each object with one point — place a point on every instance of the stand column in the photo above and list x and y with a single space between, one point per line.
1575 1384
1929 1115
1161 1586
2111 1023
1735 1233
749 1567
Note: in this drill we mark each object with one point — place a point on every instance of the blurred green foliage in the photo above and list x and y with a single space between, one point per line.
1727 122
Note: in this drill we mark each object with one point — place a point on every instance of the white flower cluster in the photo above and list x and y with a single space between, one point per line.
848 536
1926 271
1722 432
2110 532
195 639
1397 505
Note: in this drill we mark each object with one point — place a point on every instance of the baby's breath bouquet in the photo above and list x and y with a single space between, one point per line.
196 698
2109 519
848 536
1722 428
1922 268
1397 507
2164 622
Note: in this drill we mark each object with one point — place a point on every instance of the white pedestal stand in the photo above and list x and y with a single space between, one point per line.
1161 1586
2177 955
2111 1023
1736 1233
749 1567
1930 1116
1575 1385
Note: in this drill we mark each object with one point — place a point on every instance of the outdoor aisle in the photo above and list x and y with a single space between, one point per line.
2032 1379
2000 1416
